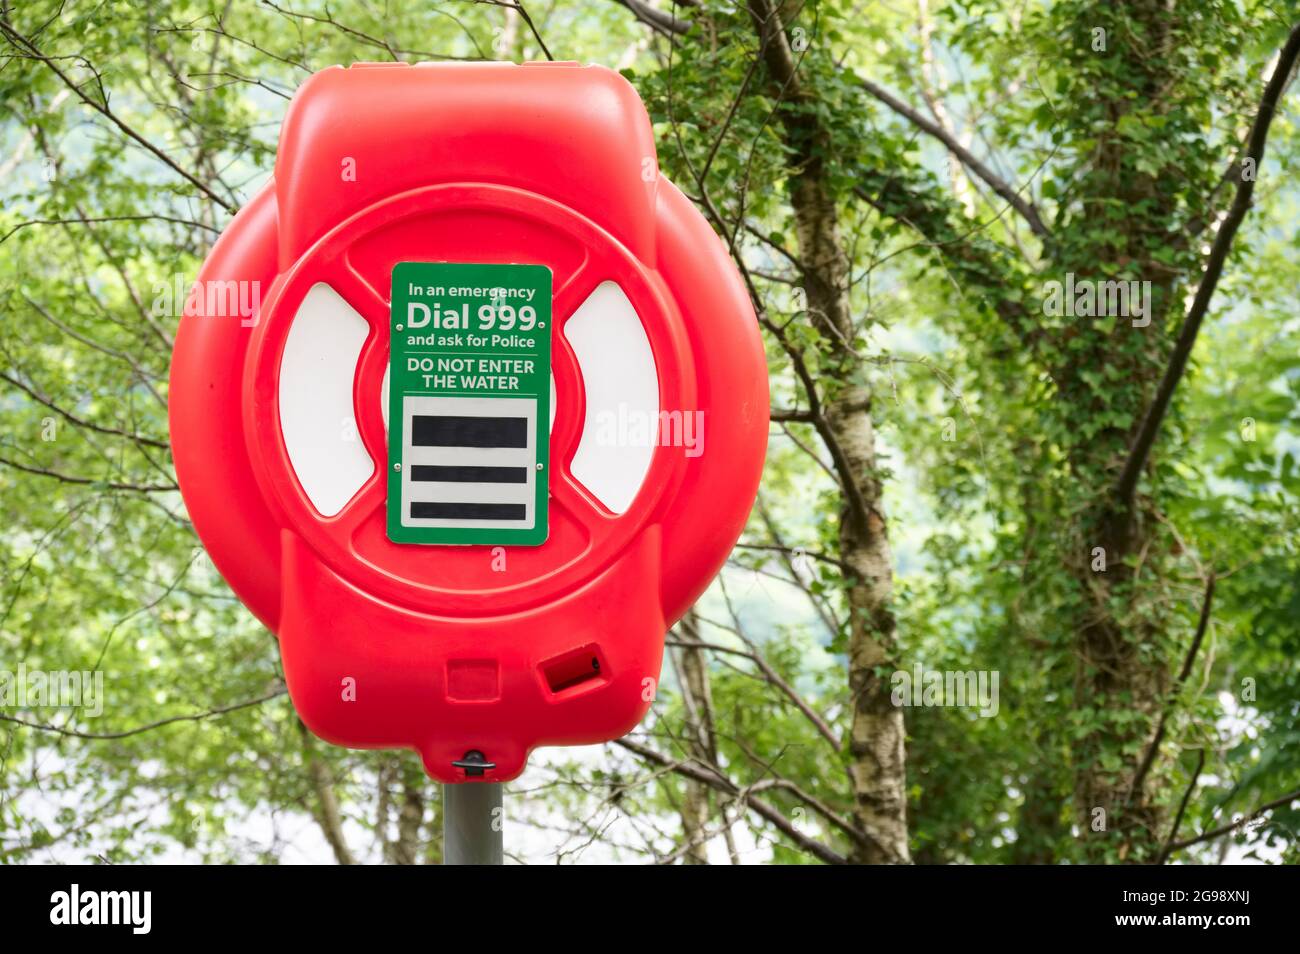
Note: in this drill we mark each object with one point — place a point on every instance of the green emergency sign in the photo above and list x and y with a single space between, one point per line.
469 403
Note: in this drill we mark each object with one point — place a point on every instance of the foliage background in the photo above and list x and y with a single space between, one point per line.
901 295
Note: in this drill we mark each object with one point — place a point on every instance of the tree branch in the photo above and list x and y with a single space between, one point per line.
518 7
126 733
88 481
110 218
1182 807
1150 427
723 784
1025 208
102 108
81 422
1139 777
662 22
1233 826
782 414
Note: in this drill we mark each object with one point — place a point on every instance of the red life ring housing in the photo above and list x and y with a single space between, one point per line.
448 649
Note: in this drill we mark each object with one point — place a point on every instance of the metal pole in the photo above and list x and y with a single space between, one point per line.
471 823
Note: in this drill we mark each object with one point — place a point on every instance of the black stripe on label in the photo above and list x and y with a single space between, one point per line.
471 475
428 430
424 510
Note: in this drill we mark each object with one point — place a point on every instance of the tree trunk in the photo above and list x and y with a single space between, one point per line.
1122 637
877 764
693 671
326 810
410 817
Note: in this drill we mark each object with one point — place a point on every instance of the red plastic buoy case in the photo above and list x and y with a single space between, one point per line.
280 420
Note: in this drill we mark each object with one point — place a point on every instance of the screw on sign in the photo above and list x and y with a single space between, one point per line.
497 424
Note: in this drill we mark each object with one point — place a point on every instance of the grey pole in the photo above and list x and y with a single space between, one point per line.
471 823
